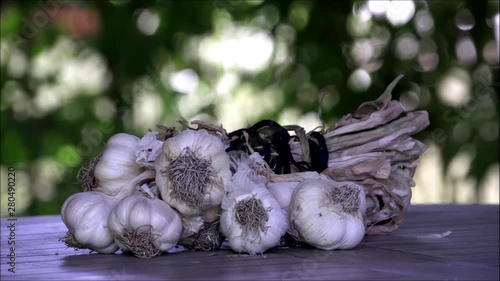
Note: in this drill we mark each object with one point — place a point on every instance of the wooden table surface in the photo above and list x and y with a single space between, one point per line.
470 252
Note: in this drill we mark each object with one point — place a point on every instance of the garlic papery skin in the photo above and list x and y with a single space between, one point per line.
208 238
85 215
202 232
242 160
147 150
144 226
211 215
327 215
117 167
191 225
192 172
251 219
199 235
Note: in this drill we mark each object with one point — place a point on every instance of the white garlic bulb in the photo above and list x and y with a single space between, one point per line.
117 166
192 171
252 219
144 226
327 215
85 215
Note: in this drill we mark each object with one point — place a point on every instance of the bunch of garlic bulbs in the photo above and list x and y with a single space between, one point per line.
252 186
114 175
182 181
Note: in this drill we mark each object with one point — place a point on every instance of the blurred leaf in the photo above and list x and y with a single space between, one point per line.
10 22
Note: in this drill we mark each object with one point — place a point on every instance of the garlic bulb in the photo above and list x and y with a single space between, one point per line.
252 219
327 215
192 171
117 167
144 225
85 215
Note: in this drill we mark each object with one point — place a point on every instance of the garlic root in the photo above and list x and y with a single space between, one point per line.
86 177
251 215
70 241
140 241
189 173
209 238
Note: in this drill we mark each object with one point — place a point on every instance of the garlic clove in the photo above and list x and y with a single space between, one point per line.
283 191
356 229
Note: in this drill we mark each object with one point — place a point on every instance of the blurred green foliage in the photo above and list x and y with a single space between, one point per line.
329 48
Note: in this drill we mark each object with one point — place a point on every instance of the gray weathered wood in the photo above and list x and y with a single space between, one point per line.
470 252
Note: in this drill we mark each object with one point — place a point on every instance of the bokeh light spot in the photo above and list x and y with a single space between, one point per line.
406 46
466 51
454 88
400 12
464 20
424 23
491 52
299 15
410 100
69 156
148 22
378 8
359 80
184 81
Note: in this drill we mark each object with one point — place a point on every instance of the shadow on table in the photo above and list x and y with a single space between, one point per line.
118 266
219 265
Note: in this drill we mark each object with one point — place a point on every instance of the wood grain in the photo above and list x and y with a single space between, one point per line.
470 252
